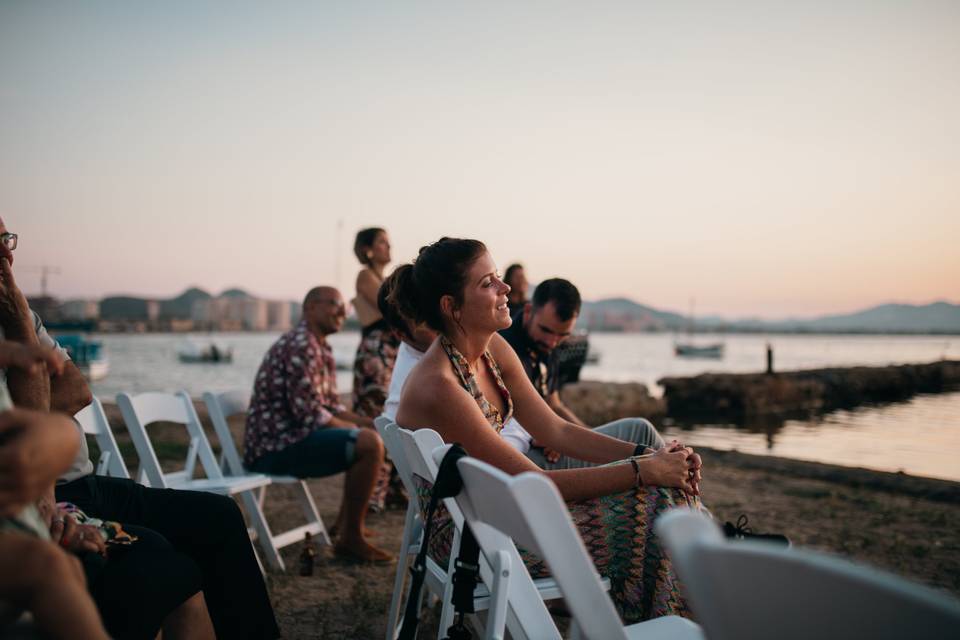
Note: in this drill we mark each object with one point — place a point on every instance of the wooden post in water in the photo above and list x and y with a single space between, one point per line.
769 359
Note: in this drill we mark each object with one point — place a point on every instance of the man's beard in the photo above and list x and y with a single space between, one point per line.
543 348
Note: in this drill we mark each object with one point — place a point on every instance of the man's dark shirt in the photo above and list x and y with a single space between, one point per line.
542 370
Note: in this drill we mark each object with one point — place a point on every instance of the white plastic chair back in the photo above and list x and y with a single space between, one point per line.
221 407
528 508
751 589
142 410
93 421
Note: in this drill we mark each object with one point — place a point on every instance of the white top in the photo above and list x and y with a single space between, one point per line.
407 357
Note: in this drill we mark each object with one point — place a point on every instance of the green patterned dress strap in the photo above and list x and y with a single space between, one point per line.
469 382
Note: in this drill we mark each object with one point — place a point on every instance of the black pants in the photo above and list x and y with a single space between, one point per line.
136 587
205 528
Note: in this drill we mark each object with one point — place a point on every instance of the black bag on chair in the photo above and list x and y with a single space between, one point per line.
448 484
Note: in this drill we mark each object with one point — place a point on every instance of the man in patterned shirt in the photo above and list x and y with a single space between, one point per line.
297 425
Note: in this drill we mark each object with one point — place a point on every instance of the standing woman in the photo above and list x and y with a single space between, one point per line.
378 343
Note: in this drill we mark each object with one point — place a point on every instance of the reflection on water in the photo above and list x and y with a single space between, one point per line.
920 436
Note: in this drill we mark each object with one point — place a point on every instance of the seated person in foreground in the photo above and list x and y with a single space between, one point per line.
535 333
470 382
192 554
297 425
35 574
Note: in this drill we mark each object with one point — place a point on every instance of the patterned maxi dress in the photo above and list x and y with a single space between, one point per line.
372 370
616 529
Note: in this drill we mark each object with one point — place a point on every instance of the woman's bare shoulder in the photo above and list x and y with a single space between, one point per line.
430 381
366 276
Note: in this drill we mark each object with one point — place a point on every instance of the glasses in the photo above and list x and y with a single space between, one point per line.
9 240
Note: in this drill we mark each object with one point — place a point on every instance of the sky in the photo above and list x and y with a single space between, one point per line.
766 159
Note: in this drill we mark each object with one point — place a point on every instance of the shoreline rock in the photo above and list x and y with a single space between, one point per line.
732 396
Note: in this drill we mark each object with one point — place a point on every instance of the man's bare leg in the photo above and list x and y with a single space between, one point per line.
189 621
357 489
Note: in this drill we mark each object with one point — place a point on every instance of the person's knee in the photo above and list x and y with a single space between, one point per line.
369 444
647 434
223 511
35 566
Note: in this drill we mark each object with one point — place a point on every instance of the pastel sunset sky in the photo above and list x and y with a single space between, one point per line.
766 158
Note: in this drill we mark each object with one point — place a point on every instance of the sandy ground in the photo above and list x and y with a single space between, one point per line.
908 526
914 537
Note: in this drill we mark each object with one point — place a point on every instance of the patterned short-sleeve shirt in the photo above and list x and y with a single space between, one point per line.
294 394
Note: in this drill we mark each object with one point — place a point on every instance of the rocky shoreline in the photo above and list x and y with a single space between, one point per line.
730 396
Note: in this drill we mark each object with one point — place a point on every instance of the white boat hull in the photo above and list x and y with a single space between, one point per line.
96 370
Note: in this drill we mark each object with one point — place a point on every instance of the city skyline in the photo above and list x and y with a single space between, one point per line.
765 159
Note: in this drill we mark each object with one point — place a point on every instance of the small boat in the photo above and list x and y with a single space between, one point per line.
688 350
209 353
87 355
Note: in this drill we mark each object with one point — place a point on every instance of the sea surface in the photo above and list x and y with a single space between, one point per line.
920 436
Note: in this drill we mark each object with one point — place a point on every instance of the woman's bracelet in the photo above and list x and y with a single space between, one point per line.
638 481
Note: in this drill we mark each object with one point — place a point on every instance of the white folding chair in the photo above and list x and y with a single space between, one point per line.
412 526
144 409
418 447
750 589
529 509
93 421
221 407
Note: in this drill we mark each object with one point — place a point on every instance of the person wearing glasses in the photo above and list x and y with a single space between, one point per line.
185 571
297 425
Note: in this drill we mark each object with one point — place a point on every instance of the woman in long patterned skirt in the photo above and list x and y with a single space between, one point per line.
378 345
470 382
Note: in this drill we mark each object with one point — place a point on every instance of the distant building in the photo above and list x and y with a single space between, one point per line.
240 313
80 310
47 307
129 309
278 315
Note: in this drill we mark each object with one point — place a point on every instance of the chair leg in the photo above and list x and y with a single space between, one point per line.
403 564
265 537
446 610
310 512
497 615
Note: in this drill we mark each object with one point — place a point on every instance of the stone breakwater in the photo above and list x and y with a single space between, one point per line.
737 396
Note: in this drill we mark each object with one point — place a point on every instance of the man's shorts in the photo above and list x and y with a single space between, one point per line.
322 453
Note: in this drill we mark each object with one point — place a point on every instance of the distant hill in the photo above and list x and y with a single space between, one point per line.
235 293
939 317
181 306
622 314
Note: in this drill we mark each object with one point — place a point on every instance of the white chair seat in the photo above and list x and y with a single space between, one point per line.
665 628
140 411
224 486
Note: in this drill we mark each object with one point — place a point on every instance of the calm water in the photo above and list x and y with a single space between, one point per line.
920 436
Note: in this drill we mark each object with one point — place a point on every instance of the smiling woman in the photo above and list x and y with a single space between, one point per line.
454 287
